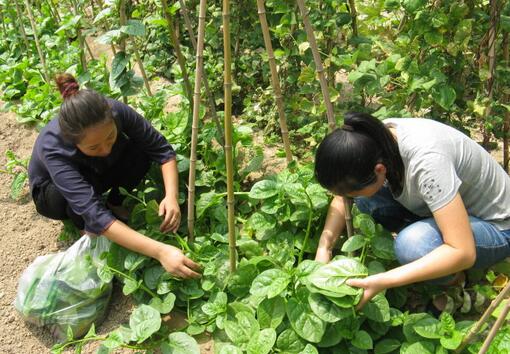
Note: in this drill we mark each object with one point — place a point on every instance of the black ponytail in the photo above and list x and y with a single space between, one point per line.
346 158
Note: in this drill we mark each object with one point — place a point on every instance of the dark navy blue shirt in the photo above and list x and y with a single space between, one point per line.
59 161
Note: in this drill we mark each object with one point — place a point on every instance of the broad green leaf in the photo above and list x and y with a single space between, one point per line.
333 275
230 349
181 343
304 321
271 312
240 281
433 38
134 28
362 340
378 309
310 349
429 328
110 37
353 243
130 286
206 201
333 334
241 331
270 283
144 322
386 346
318 195
264 189
418 348
216 305
444 96
326 310
452 342
262 224
119 63
151 276
163 306
262 342
290 342
152 213
382 247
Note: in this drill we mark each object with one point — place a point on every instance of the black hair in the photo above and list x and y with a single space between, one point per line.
81 109
346 158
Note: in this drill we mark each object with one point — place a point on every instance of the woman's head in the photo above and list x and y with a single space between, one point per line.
358 158
85 118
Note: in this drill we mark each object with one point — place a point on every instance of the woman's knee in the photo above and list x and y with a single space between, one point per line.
417 240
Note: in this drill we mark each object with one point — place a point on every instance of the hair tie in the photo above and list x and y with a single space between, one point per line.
347 127
71 88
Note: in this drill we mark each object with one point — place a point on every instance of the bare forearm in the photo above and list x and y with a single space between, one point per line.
171 178
442 261
126 237
334 225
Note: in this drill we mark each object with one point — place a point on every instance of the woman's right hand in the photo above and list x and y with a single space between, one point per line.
176 263
323 254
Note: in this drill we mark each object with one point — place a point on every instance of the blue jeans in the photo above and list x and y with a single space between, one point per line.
418 236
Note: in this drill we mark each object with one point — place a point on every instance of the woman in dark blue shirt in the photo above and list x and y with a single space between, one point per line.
95 145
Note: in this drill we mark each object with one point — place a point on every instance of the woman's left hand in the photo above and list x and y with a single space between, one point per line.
171 213
371 285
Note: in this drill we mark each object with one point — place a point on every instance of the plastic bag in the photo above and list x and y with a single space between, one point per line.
63 289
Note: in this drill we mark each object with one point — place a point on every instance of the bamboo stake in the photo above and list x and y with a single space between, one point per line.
506 122
196 114
178 53
354 15
474 330
142 69
37 43
494 330
81 39
274 79
208 93
491 53
228 134
22 27
325 92
123 22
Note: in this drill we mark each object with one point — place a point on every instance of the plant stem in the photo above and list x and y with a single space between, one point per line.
124 275
307 235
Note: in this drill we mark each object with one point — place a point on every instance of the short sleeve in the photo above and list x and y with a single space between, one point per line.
437 181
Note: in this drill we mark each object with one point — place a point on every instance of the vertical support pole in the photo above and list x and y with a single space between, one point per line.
208 93
37 43
228 134
22 27
325 92
196 115
274 79
178 53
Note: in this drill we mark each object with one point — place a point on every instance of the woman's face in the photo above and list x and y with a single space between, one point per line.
370 190
98 139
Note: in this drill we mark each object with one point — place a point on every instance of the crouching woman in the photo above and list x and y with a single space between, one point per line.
444 196
95 145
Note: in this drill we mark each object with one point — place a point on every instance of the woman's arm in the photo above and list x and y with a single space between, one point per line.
335 223
169 206
457 253
171 258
